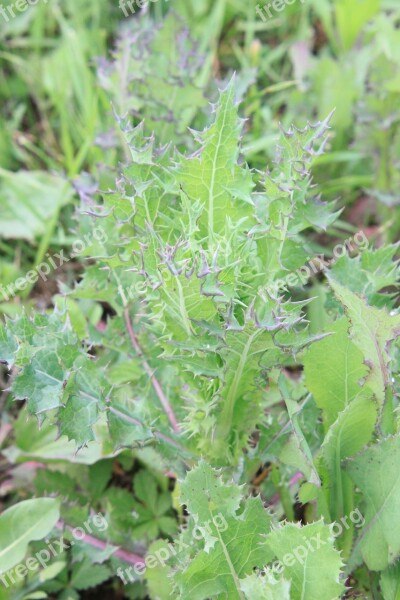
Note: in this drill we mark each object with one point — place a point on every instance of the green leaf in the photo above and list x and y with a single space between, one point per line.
212 175
19 525
125 430
375 471
159 580
78 418
308 560
333 370
204 493
247 352
125 371
45 444
230 546
28 200
390 583
297 452
54 372
217 571
8 346
163 73
372 331
86 575
372 271
69 595
154 513
361 12
266 587
350 433
41 382
379 542
235 542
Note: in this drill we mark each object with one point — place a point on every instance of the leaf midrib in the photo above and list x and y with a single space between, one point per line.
213 175
22 537
230 401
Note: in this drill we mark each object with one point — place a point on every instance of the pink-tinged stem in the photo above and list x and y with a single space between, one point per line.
33 465
157 434
156 385
129 557
5 429
295 479
276 499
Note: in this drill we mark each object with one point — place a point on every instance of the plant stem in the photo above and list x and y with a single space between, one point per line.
129 557
156 385
138 423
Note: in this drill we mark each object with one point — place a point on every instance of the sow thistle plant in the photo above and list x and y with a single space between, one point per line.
194 362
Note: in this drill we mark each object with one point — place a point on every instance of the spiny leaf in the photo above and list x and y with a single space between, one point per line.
314 566
212 175
8 346
217 572
373 270
204 494
231 543
266 587
163 67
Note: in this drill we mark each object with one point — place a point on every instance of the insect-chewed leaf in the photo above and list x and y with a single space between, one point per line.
379 540
371 330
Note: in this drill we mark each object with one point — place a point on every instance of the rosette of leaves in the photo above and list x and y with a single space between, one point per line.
195 244
199 241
